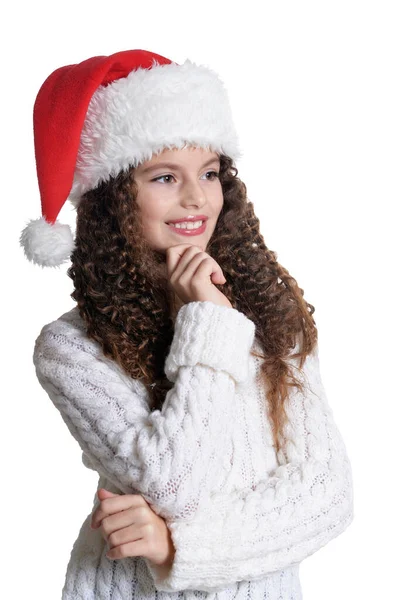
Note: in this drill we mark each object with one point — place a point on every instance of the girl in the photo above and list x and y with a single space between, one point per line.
188 370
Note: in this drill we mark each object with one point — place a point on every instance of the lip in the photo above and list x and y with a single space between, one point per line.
188 232
191 218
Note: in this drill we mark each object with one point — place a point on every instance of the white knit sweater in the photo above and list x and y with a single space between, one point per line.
242 517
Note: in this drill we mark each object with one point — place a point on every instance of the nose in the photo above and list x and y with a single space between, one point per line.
192 194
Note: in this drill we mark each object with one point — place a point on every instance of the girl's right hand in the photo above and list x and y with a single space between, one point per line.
192 274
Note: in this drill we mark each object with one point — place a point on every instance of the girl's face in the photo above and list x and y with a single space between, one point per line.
188 185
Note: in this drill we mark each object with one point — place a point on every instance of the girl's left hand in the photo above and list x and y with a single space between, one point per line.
132 528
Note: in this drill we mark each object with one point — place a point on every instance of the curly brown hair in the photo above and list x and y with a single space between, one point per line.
122 292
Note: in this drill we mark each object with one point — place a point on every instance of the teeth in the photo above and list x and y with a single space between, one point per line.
187 225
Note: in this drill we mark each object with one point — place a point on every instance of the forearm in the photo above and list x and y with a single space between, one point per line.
164 455
250 533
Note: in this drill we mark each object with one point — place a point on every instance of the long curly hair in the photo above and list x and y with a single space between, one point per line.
122 292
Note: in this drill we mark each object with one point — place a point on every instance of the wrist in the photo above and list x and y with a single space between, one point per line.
171 552
165 562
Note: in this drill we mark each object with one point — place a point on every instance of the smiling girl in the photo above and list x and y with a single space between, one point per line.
188 370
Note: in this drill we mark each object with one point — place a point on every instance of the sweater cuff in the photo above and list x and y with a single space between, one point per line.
213 335
163 579
180 576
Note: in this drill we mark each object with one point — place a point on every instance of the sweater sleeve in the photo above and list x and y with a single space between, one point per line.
163 455
302 505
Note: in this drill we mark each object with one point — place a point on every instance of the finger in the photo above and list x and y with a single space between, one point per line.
132 533
209 270
187 257
103 493
201 265
184 261
114 505
110 506
132 516
137 548
173 256
185 271
218 277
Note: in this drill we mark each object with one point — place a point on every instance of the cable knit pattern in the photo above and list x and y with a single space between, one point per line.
241 518
208 334
302 505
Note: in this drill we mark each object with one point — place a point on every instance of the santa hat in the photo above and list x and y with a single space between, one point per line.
107 114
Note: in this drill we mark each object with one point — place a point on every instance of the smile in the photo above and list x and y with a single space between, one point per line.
188 229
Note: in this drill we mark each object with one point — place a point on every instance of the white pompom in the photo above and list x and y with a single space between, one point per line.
46 244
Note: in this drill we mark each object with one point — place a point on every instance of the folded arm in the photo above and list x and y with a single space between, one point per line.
306 502
163 455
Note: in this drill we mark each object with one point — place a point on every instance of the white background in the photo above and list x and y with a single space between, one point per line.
314 93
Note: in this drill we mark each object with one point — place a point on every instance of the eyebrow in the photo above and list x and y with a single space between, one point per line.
169 165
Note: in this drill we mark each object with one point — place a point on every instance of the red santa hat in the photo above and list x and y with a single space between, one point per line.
110 113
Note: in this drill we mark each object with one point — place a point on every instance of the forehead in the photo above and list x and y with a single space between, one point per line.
176 158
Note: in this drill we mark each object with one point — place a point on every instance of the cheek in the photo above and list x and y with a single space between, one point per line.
151 209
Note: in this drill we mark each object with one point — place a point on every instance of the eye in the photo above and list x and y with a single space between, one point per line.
214 173
161 177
